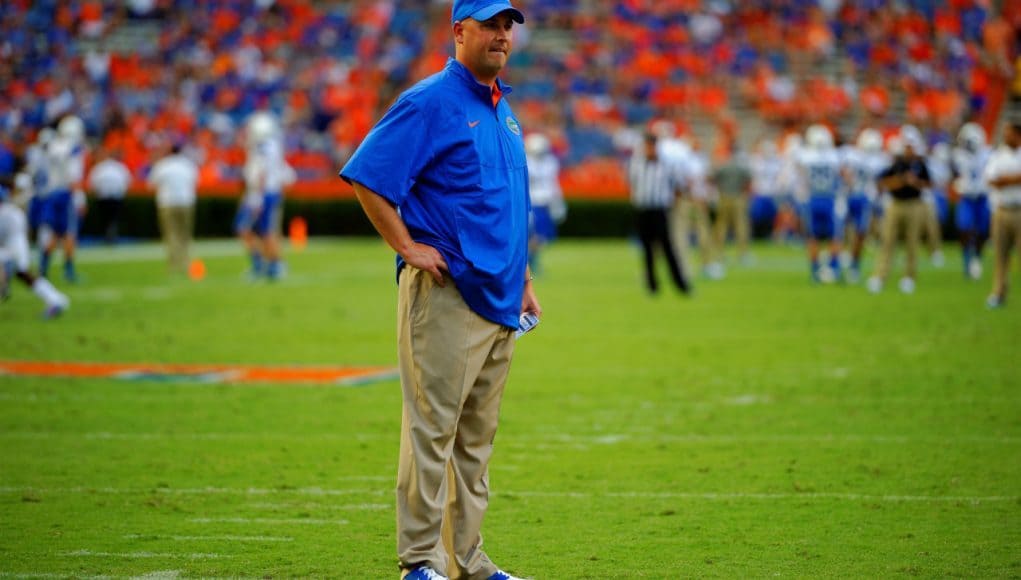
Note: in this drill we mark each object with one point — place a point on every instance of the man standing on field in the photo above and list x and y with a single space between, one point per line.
1003 173
443 178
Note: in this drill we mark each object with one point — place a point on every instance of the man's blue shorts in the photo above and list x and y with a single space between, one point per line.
270 216
543 226
973 215
859 213
36 209
942 206
59 213
822 219
244 219
762 210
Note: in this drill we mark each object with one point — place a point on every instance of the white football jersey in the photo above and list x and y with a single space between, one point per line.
695 172
970 169
65 164
543 179
863 169
266 170
820 170
940 173
36 167
14 236
767 175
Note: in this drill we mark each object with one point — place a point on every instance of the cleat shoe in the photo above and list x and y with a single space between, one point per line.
907 285
938 259
994 302
975 269
424 573
501 575
53 311
875 285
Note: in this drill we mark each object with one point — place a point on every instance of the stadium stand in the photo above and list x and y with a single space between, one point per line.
145 73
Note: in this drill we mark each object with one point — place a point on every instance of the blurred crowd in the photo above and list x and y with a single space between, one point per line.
146 74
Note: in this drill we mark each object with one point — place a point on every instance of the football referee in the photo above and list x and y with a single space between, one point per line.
655 185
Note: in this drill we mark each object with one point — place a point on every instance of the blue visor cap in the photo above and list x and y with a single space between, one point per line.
483 10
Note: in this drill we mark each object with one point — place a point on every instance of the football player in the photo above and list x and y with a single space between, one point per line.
821 172
266 174
65 169
14 255
969 162
862 165
548 208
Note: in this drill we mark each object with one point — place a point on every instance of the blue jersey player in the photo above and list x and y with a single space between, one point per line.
862 165
969 162
820 167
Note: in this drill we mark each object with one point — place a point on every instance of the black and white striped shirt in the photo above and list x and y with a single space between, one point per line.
653 182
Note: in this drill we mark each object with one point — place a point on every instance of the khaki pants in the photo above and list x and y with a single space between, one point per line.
689 216
1006 236
732 213
453 366
176 226
907 216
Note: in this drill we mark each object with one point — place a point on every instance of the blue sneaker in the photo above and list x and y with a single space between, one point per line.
53 311
501 575
424 573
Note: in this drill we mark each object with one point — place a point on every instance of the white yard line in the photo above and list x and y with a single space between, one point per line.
322 506
210 538
271 521
145 555
541 440
315 491
766 496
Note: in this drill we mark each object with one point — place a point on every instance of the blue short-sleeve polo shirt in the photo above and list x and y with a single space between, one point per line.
453 164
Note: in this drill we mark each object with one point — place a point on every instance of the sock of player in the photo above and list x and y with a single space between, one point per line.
835 264
44 263
273 269
256 263
48 294
967 257
69 273
815 268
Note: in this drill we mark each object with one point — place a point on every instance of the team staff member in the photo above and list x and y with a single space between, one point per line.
110 180
655 184
443 178
733 181
905 180
1003 173
175 177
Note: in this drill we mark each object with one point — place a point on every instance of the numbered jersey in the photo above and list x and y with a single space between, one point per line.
767 173
65 165
862 170
266 170
820 172
970 166
543 179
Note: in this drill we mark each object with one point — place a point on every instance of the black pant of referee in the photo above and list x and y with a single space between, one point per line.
653 230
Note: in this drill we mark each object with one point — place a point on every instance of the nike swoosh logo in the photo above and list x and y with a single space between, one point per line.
472 124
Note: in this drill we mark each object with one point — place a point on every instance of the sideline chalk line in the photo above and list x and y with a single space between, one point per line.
540 440
316 491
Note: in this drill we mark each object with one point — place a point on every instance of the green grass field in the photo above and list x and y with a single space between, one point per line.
766 427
